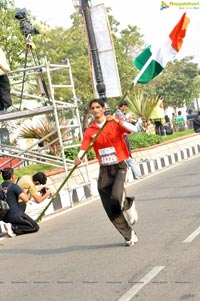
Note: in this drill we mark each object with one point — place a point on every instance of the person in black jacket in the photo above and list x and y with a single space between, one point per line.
196 123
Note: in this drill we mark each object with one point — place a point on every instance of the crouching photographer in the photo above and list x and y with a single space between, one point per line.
29 185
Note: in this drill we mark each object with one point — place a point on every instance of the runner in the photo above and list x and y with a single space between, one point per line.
111 152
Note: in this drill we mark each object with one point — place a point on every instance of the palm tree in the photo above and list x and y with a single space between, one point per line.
146 107
42 129
141 105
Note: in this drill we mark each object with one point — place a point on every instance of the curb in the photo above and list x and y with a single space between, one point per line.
150 166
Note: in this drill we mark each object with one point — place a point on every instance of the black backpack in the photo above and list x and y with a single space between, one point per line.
4 207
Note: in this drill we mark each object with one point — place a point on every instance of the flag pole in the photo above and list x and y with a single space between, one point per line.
143 69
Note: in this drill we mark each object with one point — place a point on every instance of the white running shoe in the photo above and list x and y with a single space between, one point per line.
132 241
9 230
2 228
131 215
10 109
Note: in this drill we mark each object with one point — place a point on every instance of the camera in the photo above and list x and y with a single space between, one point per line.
43 191
133 121
25 25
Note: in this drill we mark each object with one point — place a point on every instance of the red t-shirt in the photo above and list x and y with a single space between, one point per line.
110 147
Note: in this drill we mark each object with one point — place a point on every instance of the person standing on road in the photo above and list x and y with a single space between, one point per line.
121 112
111 152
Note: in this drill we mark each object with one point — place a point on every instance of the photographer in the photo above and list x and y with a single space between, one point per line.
18 221
28 185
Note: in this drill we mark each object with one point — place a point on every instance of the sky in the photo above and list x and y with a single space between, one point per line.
155 24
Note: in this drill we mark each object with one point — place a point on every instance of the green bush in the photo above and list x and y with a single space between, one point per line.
72 153
140 140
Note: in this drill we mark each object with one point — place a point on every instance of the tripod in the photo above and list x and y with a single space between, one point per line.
31 48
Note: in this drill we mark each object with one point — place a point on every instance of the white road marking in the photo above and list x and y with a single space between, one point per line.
192 236
138 286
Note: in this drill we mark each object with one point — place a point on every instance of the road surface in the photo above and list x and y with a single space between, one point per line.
79 255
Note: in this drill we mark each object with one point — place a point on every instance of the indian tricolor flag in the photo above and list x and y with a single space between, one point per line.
153 60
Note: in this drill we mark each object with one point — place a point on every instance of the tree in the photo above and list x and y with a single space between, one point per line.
43 129
12 40
61 44
141 105
179 83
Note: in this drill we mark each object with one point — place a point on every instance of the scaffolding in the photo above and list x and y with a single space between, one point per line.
62 134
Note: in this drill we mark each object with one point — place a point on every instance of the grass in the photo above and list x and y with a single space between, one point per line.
30 170
33 168
178 134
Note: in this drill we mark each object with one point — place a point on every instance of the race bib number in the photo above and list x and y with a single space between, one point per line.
108 156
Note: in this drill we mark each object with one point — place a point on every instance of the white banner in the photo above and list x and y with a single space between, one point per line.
106 52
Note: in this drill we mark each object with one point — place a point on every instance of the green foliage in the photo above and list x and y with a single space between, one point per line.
141 105
42 129
31 170
179 83
140 140
178 135
71 153
12 40
71 44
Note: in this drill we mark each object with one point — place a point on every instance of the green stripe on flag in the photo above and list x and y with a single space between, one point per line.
153 69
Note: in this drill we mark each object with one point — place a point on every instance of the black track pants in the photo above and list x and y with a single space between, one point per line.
111 188
24 225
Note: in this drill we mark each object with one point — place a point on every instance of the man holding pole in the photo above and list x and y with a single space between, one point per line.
106 136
